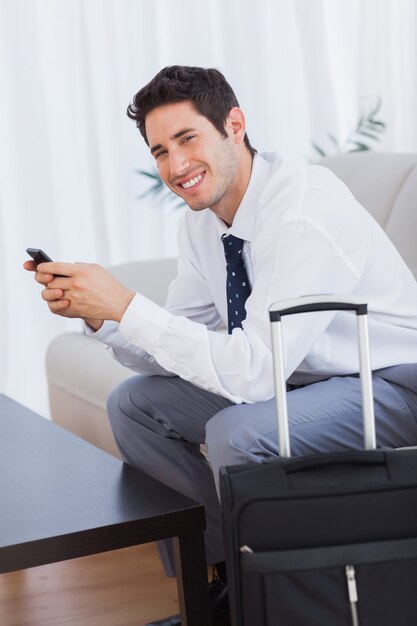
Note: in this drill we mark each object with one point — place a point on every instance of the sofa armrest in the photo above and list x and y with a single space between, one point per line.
81 374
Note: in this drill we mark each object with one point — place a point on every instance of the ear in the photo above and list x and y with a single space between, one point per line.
236 125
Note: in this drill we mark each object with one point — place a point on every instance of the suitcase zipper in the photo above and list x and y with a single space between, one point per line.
246 549
353 593
351 585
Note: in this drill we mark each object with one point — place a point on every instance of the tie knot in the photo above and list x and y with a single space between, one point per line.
233 247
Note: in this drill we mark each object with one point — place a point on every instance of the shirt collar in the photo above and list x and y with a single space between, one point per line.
244 220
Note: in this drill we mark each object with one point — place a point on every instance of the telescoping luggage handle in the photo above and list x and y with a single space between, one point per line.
308 304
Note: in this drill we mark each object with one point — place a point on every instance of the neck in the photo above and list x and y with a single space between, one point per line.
227 208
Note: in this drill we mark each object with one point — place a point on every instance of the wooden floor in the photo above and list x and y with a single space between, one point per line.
120 588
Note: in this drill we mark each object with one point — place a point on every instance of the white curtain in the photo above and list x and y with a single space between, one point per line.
68 153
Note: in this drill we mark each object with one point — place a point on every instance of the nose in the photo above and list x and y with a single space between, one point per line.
179 163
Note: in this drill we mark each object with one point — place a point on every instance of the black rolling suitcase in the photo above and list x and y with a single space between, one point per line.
326 539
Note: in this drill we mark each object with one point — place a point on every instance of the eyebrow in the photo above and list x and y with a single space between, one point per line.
180 133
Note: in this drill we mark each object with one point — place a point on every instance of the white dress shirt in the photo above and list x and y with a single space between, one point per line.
304 234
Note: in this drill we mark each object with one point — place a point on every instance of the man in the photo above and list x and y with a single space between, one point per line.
259 231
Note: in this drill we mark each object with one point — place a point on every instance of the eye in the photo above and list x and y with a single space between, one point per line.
187 138
160 153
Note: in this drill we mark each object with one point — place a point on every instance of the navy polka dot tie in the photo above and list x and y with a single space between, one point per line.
237 284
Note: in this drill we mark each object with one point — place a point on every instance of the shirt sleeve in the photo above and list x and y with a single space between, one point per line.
126 352
188 296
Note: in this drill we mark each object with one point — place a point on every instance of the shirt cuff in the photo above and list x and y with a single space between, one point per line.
106 330
144 322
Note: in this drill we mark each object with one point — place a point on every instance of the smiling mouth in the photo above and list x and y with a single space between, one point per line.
192 182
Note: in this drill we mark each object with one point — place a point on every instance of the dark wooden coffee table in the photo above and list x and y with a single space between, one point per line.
61 498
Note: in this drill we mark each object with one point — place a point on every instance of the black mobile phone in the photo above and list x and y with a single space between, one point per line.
38 255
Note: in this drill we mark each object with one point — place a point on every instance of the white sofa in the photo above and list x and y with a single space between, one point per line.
81 373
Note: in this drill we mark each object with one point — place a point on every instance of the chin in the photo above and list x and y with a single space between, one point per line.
203 203
197 204
197 207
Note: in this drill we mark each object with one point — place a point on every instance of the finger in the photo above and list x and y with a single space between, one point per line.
43 279
58 305
52 294
63 269
30 266
59 283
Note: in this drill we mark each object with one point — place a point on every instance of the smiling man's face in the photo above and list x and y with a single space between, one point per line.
194 160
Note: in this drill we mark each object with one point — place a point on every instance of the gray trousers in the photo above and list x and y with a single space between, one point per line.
159 423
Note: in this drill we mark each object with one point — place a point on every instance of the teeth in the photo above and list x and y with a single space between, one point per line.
192 182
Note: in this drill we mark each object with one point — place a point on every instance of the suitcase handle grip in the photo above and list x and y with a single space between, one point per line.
351 458
309 307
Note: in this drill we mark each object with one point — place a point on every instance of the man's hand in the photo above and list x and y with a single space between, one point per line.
83 290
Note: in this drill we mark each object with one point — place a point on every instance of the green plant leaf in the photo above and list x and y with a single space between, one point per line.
153 175
367 130
159 190
360 147
365 133
333 140
317 148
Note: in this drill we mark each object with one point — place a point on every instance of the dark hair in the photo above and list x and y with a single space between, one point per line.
207 89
